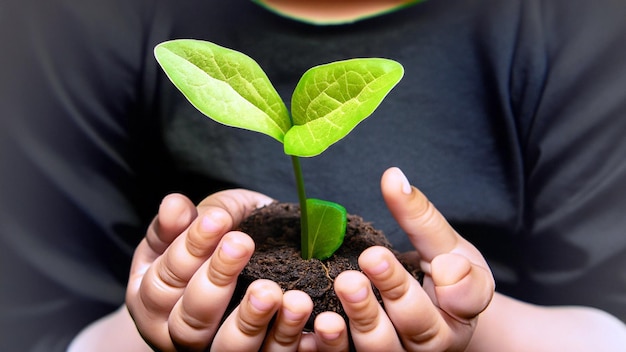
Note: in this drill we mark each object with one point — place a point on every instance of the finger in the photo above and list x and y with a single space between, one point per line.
245 327
165 280
432 236
188 252
330 335
463 289
239 203
417 321
196 316
453 267
175 214
331 332
292 316
220 213
370 327
157 282
428 230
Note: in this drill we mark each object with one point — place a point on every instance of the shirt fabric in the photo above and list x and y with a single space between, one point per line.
510 118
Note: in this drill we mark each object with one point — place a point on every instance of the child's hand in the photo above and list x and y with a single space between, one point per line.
441 315
184 273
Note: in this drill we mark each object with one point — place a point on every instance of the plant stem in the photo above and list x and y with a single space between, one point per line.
304 218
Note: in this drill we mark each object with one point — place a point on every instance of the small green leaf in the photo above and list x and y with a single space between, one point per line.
327 223
225 85
330 100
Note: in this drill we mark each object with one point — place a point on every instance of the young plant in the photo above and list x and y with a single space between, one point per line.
327 103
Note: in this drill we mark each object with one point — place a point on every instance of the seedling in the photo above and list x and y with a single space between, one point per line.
327 103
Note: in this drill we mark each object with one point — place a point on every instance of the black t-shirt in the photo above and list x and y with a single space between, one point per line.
510 118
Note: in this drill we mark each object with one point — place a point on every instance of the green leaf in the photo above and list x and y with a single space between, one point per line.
225 85
327 223
330 100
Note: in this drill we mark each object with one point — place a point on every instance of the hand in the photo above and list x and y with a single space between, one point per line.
184 273
441 315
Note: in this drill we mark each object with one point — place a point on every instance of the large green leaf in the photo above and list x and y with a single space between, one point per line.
224 84
330 100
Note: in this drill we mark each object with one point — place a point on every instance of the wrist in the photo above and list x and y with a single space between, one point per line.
511 325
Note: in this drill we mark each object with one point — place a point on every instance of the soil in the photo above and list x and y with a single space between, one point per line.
276 232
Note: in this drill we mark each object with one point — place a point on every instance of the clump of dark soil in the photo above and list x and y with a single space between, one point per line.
276 232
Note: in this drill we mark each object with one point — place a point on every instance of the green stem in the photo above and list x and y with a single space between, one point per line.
304 218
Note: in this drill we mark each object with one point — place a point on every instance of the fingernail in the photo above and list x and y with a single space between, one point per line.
406 185
210 223
357 296
329 336
232 250
259 304
292 316
379 268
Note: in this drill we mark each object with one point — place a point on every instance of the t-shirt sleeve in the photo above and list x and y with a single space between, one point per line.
574 249
72 205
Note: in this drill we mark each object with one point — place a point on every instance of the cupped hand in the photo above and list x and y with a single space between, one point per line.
441 315
185 270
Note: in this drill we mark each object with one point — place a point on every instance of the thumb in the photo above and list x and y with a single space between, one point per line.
456 267
428 230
